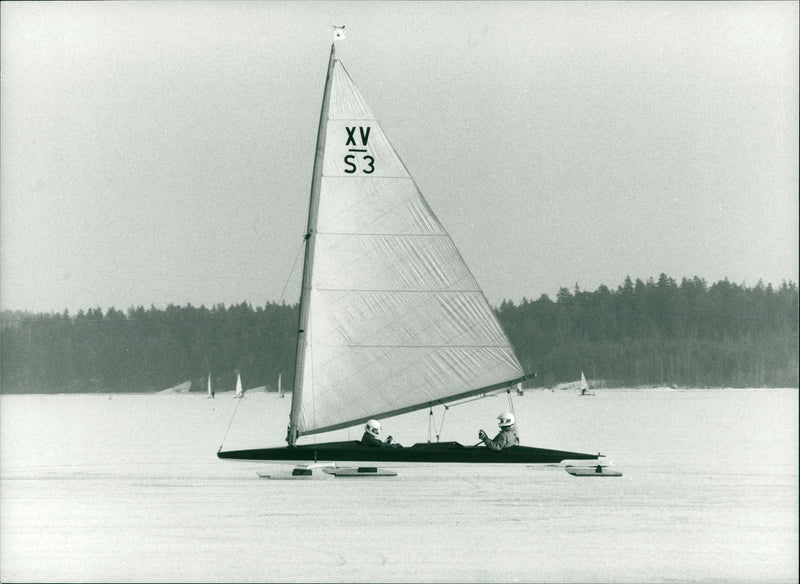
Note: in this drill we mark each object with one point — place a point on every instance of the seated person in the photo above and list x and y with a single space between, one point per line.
371 436
507 436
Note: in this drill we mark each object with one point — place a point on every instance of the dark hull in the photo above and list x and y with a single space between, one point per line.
441 452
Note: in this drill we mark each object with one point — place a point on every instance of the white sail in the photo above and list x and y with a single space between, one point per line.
280 387
209 385
396 320
584 385
239 391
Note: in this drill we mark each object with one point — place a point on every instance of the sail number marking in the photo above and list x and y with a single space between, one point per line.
357 159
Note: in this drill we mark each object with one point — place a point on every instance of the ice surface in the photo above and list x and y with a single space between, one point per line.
128 488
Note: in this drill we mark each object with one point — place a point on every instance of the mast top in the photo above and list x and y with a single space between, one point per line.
338 33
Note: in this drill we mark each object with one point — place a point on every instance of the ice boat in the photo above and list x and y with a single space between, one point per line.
585 386
355 453
391 319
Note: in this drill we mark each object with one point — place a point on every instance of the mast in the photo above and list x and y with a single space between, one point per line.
313 208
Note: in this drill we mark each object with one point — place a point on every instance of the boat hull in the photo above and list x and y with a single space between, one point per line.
423 452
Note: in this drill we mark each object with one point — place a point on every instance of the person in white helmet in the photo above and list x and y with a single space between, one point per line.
371 436
507 436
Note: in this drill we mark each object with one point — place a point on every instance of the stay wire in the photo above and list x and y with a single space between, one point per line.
236 409
268 327
441 424
432 420
430 417
511 407
283 292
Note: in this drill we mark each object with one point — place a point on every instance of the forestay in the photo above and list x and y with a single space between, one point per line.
396 320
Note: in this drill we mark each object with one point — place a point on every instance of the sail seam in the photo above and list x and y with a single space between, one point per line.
354 264
404 290
438 346
349 234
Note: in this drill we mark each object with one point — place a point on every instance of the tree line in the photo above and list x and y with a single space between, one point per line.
656 332
660 332
148 350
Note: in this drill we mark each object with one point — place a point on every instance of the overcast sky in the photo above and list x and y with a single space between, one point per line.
161 152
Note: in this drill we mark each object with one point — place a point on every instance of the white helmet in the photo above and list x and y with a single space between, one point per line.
506 419
373 427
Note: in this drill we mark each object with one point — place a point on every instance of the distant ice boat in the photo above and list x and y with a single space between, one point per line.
210 391
585 386
391 319
239 390
180 388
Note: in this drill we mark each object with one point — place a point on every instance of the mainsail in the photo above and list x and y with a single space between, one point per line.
391 319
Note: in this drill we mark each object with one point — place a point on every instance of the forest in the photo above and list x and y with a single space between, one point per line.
644 333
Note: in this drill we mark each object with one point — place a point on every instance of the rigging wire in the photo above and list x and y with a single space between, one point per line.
239 402
511 407
430 417
441 424
432 420
438 432
283 292
269 325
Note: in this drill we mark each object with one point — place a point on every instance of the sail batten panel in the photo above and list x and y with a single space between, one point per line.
374 206
345 99
406 319
389 262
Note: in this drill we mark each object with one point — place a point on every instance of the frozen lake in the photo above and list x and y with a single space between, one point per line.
119 488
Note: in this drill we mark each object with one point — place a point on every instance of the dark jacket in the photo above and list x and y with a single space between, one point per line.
369 440
507 437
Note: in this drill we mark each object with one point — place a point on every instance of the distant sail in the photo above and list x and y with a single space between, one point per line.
396 320
239 390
